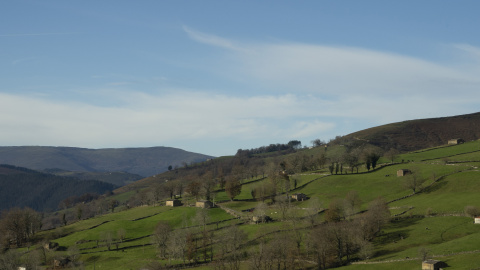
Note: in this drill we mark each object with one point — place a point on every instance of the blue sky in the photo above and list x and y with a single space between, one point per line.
216 76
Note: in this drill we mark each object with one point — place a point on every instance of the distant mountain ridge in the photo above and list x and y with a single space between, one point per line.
22 187
422 133
142 161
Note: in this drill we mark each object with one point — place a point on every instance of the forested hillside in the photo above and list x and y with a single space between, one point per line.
141 161
21 187
115 178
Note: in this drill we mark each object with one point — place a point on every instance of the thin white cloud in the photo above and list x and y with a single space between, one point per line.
472 50
211 39
339 71
344 71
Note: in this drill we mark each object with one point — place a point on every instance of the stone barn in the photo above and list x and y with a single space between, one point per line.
476 220
299 196
455 141
433 265
60 263
173 203
403 172
261 218
204 204
50 246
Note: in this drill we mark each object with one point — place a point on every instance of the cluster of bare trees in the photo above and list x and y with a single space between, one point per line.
277 251
301 162
290 146
109 238
188 244
298 241
472 211
329 244
79 211
335 242
414 180
18 227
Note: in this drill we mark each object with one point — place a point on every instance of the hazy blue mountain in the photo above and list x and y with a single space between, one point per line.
140 161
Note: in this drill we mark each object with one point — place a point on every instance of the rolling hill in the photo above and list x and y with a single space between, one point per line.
423 133
432 220
140 161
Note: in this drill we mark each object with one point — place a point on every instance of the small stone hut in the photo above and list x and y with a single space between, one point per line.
299 196
60 263
173 203
403 172
261 218
477 220
204 204
50 246
456 141
433 265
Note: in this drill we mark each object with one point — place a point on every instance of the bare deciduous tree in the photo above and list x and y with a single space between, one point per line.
472 211
233 188
18 226
314 206
378 213
352 203
202 217
320 246
392 154
160 237
107 238
121 233
9 260
177 244
413 181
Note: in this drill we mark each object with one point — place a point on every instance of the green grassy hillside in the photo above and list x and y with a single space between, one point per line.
432 219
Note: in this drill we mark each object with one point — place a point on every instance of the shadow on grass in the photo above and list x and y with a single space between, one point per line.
435 187
402 222
398 231
392 237
92 259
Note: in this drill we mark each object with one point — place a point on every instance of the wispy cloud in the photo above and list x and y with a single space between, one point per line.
371 87
472 50
339 71
167 119
212 39
180 117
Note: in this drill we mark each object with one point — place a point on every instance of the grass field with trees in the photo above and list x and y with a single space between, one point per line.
354 217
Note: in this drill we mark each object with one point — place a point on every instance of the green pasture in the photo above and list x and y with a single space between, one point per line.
441 152
460 261
475 156
123 197
138 224
240 205
449 195
442 235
